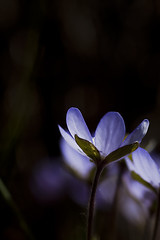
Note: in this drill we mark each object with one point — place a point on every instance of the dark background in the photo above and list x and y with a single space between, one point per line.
98 56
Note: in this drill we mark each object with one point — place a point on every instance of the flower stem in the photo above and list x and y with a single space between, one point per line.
157 217
92 202
9 200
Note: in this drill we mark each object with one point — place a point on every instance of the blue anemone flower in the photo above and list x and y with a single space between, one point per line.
109 134
144 165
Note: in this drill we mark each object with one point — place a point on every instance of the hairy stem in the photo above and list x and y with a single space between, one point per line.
92 202
157 217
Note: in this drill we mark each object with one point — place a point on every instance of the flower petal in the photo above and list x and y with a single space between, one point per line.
110 132
146 167
75 160
68 138
130 164
77 125
138 133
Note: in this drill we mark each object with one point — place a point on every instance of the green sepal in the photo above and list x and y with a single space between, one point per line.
88 148
120 153
136 177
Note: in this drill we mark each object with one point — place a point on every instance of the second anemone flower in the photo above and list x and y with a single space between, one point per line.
107 144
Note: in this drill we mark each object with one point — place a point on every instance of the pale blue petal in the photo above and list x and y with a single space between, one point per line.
146 167
75 160
110 133
138 190
129 164
68 138
141 165
77 125
138 134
